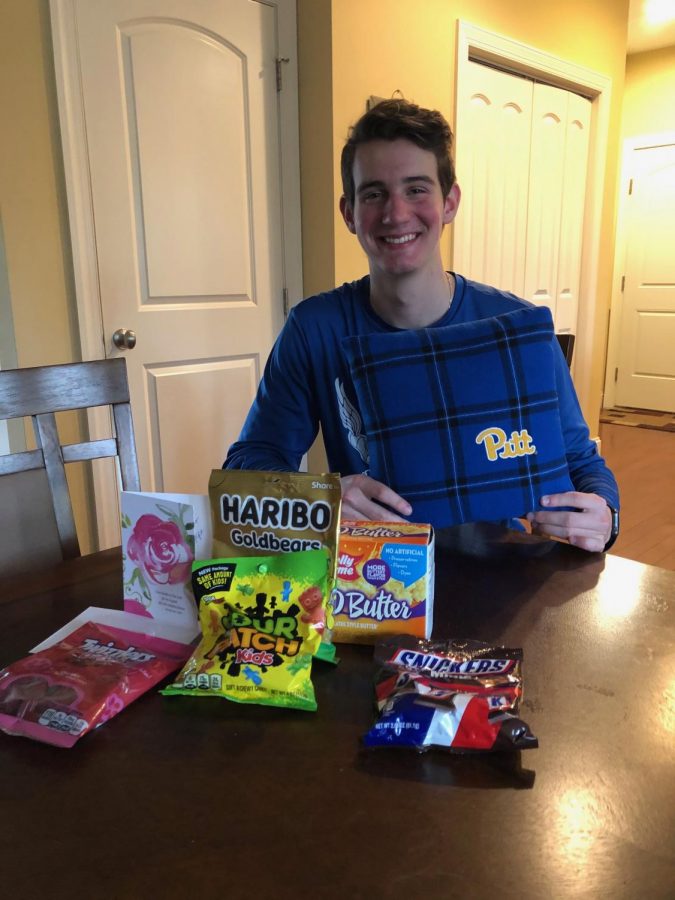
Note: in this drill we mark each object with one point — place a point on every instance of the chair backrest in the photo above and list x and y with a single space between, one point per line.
566 342
45 390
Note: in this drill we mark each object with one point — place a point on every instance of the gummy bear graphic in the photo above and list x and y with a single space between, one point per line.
314 614
252 675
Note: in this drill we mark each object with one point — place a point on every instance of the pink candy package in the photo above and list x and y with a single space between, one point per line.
59 694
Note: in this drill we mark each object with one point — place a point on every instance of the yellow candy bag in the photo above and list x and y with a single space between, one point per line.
262 619
255 513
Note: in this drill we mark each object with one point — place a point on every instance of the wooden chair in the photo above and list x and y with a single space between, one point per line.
566 342
45 390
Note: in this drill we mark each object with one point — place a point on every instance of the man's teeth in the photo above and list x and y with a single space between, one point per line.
404 239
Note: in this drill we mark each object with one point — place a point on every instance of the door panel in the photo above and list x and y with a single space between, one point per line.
179 386
493 154
186 91
544 209
577 136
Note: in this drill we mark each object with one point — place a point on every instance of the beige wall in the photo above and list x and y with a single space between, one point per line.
380 46
649 98
348 50
33 213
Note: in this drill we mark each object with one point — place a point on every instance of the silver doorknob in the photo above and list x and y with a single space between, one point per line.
124 339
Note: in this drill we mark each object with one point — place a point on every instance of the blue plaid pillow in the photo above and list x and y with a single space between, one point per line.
463 420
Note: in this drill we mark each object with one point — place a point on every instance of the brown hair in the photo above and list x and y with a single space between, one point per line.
392 119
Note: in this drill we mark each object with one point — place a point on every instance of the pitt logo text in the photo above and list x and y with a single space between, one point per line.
498 446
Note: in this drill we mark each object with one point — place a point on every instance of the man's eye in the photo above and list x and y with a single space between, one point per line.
418 190
371 195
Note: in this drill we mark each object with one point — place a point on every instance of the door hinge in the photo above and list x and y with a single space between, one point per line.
630 187
623 282
278 61
284 295
616 374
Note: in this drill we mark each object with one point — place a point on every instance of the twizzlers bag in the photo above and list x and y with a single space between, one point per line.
59 694
262 513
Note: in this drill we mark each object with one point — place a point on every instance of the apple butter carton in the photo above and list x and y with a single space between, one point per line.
385 581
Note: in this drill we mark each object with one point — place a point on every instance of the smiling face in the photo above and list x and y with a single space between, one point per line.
399 211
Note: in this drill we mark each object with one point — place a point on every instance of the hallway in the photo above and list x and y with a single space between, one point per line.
643 461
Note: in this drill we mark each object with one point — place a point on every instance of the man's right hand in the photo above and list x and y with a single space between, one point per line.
363 498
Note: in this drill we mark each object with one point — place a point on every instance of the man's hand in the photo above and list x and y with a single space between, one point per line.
362 498
589 528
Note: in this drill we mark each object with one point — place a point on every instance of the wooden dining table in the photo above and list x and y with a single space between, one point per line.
200 797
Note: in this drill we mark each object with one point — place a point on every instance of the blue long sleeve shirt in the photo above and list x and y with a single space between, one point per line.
307 383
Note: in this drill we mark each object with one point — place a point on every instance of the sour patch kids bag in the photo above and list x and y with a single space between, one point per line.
260 629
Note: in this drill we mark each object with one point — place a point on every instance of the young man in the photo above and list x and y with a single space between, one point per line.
399 194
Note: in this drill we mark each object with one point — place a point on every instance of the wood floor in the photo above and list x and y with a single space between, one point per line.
643 461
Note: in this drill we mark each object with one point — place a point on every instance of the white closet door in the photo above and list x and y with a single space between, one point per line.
522 157
547 168
572 218
493 160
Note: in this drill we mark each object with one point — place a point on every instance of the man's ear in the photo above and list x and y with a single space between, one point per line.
451 204
347 213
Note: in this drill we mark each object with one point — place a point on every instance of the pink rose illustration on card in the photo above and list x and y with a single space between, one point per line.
161 536
161 550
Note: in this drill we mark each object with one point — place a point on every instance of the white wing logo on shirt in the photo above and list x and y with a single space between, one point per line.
351 419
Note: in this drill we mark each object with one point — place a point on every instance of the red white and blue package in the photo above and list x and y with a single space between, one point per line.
462 696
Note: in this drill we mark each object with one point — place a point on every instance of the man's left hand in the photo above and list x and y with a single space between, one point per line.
589 527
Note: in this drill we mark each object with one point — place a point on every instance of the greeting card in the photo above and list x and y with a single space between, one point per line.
161 536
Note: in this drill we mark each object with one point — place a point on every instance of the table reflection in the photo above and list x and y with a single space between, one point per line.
578 825
618 592
668 707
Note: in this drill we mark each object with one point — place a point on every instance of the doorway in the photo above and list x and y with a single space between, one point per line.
180 139
641 349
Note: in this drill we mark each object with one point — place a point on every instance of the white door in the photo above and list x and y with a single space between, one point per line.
646 359
181 114
522 155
